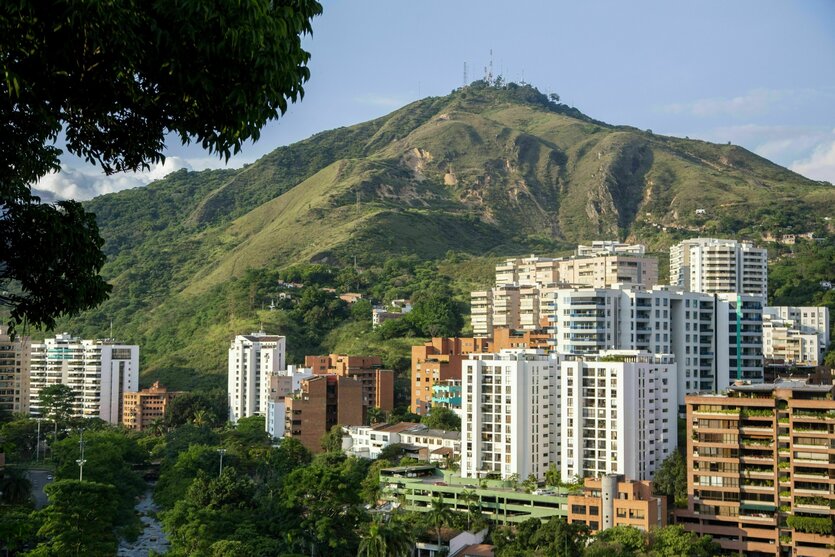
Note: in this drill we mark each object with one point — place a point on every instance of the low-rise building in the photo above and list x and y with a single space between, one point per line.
498 501
611 501
447 394
142 408
805 320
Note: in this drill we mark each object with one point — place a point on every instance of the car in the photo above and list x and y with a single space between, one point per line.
49 477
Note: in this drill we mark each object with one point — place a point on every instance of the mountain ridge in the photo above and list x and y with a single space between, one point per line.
487 170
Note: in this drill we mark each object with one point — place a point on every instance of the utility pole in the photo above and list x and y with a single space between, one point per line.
222 452
38 441
81 460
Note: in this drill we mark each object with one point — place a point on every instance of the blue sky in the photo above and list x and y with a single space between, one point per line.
760 74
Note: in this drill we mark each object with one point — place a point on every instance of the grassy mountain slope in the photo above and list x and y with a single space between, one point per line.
485 171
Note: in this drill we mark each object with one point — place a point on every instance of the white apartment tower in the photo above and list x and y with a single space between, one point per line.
98 371
510 405
619 413
251 359
713 344
14 373
712 265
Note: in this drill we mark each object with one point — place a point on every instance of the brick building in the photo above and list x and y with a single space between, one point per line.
611 501
322 402
377 383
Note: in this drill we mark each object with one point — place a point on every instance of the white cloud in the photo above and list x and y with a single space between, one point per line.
754 102
378 100
87 183
820 165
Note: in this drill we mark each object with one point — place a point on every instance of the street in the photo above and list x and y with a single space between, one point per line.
39 481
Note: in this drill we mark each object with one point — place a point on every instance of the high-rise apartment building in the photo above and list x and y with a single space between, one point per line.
98 371
377 383
716 339
618 413
760 464
712 265
439 360
510 405
322 402
14 373
251 359
801 320
140 409
281 384
521 283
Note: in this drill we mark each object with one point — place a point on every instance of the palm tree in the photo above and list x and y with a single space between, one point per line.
375 415
373 543
158 427
438 516
201 417
470 498
392 538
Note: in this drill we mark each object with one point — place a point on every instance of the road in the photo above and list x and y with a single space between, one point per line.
39 481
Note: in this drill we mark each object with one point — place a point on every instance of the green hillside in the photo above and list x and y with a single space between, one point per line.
483 172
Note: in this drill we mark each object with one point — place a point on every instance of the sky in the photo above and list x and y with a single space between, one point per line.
758 73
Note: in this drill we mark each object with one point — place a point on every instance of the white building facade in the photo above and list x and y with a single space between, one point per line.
619 413
98 371
712 265
704 332
510 406
251 358
795 335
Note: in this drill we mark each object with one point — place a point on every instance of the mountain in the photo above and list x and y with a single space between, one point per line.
486 170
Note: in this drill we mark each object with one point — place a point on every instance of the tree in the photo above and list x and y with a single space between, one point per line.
383 538
441 417
15 487
57 401
375 415
17 529
438 516
332 440
79 520
435 313
671 479
116 79
619 540
530 483
553 477
672 541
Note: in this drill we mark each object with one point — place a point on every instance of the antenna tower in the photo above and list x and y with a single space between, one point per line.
490 72
465 74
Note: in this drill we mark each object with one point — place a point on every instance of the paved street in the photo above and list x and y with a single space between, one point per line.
39 481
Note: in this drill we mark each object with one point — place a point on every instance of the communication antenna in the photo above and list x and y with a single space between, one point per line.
490 73
358 201
465 74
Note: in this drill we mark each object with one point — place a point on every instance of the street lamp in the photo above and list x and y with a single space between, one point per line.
81 460
222 452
